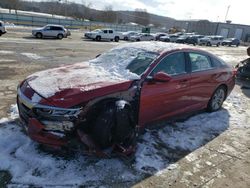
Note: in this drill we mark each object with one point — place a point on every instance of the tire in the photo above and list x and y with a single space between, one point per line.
0 33
39 35
126 38
138 40
60 36
117 39
208 44
98 38
113 126
103 125
218 44
217 99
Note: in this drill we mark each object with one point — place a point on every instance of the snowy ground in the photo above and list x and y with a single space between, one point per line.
158 150
207 150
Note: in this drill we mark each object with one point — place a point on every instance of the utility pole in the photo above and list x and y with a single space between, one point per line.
227 12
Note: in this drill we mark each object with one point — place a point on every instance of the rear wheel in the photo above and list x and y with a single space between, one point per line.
39 35
0 33
217 99
60 36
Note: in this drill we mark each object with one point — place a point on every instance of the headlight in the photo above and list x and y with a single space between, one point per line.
57 112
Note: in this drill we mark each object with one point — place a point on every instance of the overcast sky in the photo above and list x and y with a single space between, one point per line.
213 10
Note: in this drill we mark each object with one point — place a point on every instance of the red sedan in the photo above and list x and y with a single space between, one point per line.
104 102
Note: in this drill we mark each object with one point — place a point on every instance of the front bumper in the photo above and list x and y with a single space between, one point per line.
37 127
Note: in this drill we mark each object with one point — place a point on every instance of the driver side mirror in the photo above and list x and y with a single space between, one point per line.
160 77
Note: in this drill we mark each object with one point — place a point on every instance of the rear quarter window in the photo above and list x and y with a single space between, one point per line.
199 62
217 62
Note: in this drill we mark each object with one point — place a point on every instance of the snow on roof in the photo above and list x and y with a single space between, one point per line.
109 67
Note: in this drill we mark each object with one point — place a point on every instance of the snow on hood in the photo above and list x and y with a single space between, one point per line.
110 67
81 75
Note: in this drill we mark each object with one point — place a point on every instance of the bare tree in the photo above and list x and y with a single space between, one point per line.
141 16
109 15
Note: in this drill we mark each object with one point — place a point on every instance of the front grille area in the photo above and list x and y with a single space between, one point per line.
24 111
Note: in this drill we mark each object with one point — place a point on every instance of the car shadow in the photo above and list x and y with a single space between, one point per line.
157 150
47 38
246 91
245 88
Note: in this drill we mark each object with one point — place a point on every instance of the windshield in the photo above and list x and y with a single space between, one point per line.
126 61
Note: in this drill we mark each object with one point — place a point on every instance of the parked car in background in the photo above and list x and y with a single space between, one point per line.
173 37
211 40
231 42
142 37
104 102
159 35
194 39
182 39
128 34
50 31
243 73
165 39
2 28
103 34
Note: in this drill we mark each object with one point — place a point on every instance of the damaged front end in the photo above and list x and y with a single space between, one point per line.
72 128
47 125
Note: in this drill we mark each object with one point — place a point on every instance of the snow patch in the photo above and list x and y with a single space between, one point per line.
32 56
6 52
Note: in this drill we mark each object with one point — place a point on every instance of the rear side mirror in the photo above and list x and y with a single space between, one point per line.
161 77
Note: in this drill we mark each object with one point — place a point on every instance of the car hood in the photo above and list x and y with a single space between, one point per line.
71 85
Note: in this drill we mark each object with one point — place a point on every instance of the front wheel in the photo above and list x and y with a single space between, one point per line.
39 35
217 99
98 38
113 126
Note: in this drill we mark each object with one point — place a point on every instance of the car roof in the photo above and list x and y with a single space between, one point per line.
55 25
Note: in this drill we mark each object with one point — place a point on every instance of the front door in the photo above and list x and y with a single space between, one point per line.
160 100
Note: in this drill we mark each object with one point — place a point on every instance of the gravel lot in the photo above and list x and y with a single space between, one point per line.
207 150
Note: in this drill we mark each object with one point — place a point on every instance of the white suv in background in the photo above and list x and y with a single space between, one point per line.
53 31
2 28
211 40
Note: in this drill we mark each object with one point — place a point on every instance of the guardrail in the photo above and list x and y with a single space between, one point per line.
37 21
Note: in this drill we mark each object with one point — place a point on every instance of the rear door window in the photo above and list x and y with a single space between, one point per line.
199 62
110 31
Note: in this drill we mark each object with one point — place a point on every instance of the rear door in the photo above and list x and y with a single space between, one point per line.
165 99
202 81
